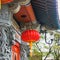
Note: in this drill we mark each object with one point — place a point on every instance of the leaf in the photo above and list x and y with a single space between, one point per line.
46 47
56 47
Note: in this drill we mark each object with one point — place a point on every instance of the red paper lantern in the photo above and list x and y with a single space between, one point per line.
30 36
6 1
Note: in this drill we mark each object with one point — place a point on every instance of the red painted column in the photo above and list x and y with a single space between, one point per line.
16 51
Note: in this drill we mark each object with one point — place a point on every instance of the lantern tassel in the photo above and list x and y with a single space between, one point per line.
31 49
0 4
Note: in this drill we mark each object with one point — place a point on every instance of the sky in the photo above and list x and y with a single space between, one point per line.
59 8
59 11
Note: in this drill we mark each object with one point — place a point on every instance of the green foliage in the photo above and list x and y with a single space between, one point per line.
45 53
36 52
36 55
56 47
42 37
57 36
46 47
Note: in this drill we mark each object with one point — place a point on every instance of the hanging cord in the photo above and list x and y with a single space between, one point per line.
45 36
49 45
46 39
